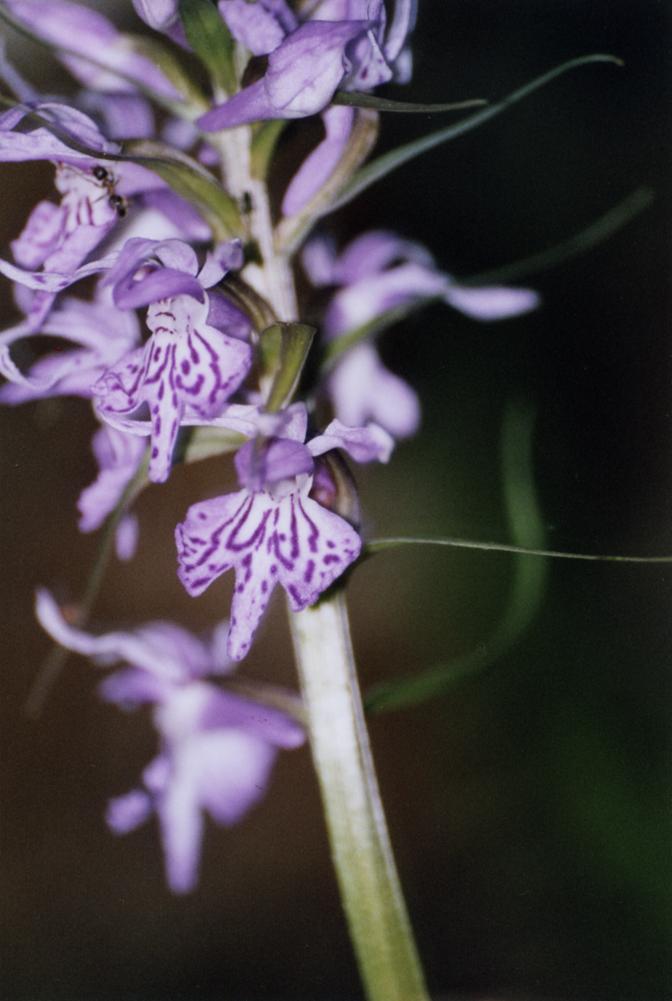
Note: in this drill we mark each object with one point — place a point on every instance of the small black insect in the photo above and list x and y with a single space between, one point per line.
101 174
119 205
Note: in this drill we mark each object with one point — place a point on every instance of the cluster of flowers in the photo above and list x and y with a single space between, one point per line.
196 361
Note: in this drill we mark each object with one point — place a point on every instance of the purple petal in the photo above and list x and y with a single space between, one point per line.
302 76
376 250
364 444
292 541
356 304
231 770
40 236
124 116
270 725
51 281
125 813
253 25
185 363
362 389
87 32
403 22
304 72
187 221
132 688
140 648
319 261
252 104
119 457
177 276
126 537
260 464
321 163
494 303
158 14
181 823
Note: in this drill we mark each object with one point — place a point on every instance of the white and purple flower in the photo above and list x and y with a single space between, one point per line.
190 366
271 531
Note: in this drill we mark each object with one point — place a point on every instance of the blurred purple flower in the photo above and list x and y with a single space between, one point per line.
119 457
216 749
272 531
112 64
377 272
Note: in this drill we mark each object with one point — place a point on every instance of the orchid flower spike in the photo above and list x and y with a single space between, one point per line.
272 531
217 749
196 356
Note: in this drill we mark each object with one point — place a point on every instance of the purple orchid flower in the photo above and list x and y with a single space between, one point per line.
112 64
189 367
344 44
101 336
217 749
376 272
119 457
271 531
58 238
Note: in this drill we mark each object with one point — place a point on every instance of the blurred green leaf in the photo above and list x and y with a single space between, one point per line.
285 346
211 40
527 588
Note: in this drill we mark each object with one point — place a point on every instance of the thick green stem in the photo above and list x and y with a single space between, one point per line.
360 843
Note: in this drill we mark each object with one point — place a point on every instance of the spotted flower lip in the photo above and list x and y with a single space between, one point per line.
272 532
217 749
188 367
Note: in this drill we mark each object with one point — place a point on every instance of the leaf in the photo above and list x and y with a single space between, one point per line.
211 40
378 545
206 442
604 227
190 180
354 99
527 589
262 147
286 345
388 162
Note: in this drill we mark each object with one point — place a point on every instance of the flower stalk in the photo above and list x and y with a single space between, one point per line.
360 844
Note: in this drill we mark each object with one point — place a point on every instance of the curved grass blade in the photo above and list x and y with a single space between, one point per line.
354 99
378 545
597 232
528 586
385 164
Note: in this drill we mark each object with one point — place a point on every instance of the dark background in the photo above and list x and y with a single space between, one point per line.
529 806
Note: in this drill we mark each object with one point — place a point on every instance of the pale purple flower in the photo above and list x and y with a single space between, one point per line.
377 272
116 67
100 336
119 457
271 531
343 45
216 749
190 366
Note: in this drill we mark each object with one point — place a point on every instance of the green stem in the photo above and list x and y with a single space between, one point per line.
360 843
